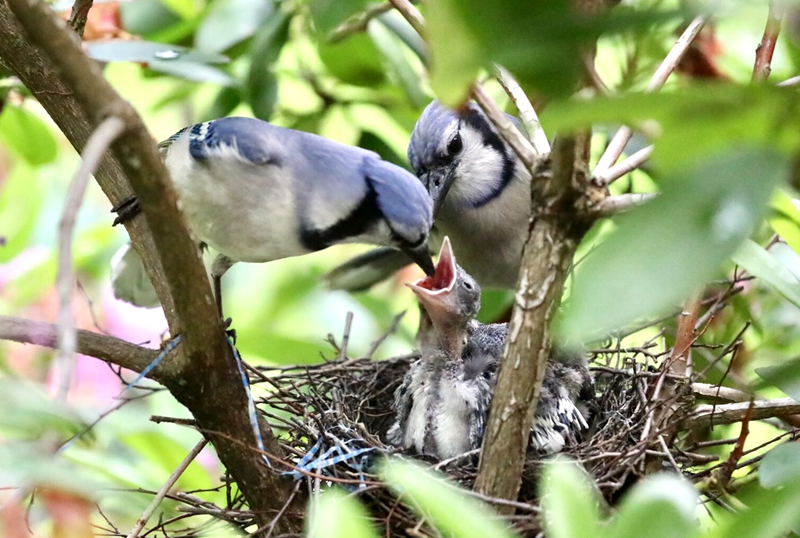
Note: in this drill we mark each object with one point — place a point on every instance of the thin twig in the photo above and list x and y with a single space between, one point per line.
95 148
392 328
794 81
527 113
620 139
358 22
627 166
411 14
722 476
80 12
765 49
521 146
348 323
142 521
614 205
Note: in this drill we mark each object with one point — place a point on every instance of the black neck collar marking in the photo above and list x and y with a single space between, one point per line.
360 219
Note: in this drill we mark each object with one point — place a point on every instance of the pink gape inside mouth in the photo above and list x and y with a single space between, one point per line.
444 275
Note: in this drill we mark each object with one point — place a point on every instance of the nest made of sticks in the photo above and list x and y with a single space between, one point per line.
334 417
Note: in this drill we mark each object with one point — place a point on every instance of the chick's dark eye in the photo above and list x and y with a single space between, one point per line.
468 286
455 145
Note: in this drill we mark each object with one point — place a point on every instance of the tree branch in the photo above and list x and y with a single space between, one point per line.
712 415
546 259
614 205
527 113
358 22
411 14
521 146
765 49
71 88
106 348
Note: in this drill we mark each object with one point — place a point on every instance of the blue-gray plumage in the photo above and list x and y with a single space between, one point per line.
256 192
443 403
481 194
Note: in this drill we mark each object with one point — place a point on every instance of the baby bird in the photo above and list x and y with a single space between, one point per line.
444 401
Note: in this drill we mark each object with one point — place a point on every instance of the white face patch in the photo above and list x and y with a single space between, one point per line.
479 170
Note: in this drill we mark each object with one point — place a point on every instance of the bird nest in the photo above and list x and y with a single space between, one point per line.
333 418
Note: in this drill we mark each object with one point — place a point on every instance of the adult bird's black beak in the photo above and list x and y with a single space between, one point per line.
438 183
422 257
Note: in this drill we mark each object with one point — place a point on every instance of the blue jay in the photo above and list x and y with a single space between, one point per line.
256 192
443 403
481 194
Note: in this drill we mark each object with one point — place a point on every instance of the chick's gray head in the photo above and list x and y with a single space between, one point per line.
459 157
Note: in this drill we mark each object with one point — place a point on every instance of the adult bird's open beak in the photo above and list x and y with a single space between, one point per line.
435 292
422 257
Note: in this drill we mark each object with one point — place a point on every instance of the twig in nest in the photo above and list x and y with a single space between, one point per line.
348 323
722 476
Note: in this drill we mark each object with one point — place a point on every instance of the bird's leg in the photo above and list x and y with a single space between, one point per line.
220 266
126 209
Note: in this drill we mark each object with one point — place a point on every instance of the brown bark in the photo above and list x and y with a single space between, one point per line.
202 375
556 230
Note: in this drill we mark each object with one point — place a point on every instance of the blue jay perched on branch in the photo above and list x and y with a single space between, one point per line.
443 403
481 194
256 192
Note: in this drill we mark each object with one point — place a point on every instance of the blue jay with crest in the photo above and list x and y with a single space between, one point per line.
255 192
481 194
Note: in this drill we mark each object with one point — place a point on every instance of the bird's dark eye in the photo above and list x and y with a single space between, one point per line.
455 145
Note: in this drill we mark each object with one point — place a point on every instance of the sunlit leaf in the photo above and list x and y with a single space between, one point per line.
452 512
230 21
120 50
29 413
760 263
26 135
780 465
31 464
391 48
664 505
665 249
334 514
185 8
262 83
569 502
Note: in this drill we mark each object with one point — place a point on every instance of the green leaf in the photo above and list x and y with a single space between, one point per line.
780 465
262 83
29 413
355 60
784 376
119 50
20 202
662 251
27 136
569 502
328 14
713 117
770 515
391 47
760 263
664 505
540 42
334 514
231 21
451 511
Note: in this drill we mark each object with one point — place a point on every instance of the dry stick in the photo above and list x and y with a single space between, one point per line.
765 49
620 139
614 205
627 166
411 14
794 81
521 146
165 489
80 12
346 336
95 149
526 112
359 22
